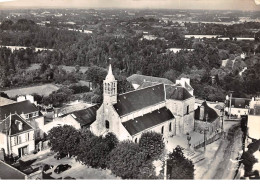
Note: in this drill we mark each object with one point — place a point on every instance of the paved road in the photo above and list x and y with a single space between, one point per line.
217 163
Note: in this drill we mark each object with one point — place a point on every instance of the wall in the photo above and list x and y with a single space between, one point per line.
213 126
30 143
185 122
3 143
106 113
158 128
254 126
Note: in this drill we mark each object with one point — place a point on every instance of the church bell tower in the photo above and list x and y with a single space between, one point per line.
110 88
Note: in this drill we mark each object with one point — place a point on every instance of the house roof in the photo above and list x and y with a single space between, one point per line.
139 99
176 92
147 84
73 108
139 79
212 114
18 107
86 116
148 120
13 127
5 101
188 87
8 172
240 102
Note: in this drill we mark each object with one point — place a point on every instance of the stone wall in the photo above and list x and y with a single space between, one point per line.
212 127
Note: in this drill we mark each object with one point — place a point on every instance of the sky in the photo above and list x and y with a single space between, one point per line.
152 4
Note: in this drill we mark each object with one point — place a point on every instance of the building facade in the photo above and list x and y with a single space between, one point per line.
16 136
253 123
166 109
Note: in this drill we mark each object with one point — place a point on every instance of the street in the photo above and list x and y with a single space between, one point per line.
220 156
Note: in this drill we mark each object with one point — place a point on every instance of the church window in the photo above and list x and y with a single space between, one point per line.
170 127
107 124
135 140
188 109
162 130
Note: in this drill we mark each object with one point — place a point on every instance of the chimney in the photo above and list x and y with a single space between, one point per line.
202 112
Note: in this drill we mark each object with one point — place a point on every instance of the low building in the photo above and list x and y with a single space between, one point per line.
7 172
239 106
254 119
16 136
206 118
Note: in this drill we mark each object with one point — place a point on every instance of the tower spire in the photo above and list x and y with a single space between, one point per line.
110 76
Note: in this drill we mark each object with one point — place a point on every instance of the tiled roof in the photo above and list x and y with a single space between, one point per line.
139 99
18 107
177 93
148 120
7 172
212 114
5 101
240 102
139 79
13 127
147 84
86 116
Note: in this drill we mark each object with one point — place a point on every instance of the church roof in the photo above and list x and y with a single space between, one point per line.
110 76
176 92
140 79
148 120
139 99
18 107
147 84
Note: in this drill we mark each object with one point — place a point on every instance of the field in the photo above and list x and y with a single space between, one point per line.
36 66
43 90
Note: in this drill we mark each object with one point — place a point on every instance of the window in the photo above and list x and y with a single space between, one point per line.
238 111
135 140
107 124
19 140
188 108
162 130
170 127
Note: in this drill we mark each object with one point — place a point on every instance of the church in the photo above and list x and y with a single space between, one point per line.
164 108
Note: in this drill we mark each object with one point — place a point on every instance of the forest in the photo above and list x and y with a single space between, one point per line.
124 47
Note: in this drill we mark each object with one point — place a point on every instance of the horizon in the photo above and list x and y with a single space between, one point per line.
229 5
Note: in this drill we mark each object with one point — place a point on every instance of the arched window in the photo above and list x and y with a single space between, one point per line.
170 127
162 130
107 124
135 140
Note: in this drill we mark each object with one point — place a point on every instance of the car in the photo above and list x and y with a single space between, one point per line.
59 156
61 168
47 167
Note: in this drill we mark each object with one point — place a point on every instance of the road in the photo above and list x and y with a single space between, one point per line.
220 156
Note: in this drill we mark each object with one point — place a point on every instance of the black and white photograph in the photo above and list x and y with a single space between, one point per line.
129 90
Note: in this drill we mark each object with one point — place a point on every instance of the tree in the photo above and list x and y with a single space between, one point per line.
151 143
178 166
64 139
126 159
4 95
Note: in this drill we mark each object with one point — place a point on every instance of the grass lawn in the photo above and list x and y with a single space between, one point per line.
43 90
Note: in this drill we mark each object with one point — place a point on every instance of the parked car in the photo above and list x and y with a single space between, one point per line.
59 156
47 167
61 168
